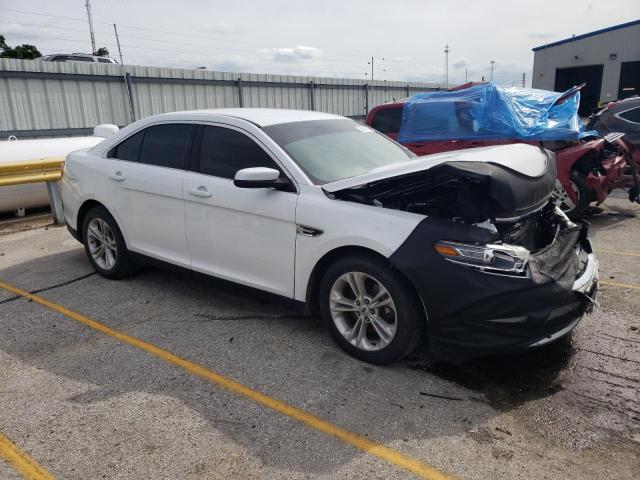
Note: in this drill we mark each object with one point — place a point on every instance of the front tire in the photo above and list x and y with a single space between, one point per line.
105 245
370 309
574 210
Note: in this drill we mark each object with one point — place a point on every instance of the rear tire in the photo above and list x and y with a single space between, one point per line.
370 309
104 244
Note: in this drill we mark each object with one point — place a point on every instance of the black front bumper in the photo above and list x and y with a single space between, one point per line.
476 313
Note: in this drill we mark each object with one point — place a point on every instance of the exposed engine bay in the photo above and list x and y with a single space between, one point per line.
517 208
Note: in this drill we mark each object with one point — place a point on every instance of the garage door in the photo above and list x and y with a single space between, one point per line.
629 79
590 94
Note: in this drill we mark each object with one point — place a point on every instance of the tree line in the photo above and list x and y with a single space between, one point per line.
30 52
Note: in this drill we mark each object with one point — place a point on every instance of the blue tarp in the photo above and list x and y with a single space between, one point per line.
487 111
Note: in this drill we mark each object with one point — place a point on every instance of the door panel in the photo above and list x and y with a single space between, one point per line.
145 175
148 201
241 234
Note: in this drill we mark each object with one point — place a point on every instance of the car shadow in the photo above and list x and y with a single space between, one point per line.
611 217
253 338
506 381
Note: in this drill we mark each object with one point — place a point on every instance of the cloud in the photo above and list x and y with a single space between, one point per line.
461 63
221 28
13 28
295 55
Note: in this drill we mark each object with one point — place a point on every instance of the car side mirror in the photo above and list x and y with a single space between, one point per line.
260 177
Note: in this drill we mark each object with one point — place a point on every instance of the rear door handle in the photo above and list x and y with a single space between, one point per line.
117 177
201 191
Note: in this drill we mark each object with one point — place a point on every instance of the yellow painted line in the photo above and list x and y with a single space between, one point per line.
21 462
621 285
389 455
628 254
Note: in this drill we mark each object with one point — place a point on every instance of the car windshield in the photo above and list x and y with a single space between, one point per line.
330 150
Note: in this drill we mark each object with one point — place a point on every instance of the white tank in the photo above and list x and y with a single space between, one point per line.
34 195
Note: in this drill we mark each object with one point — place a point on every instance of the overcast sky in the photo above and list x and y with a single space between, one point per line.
319 38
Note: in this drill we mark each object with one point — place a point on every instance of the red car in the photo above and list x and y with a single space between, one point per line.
587 169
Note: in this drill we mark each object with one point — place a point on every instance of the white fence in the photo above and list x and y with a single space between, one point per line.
43 99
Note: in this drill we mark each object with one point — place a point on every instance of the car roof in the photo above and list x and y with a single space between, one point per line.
262 117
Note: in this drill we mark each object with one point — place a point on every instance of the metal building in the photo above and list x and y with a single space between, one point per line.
608 60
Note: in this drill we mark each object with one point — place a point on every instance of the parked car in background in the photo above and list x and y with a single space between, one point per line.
621 116
475 115
76 57
465 251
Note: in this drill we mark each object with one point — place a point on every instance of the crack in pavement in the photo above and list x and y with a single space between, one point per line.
607 355
631 340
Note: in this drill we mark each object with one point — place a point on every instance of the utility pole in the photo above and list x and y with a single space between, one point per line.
372 69
446 65
93 37
115 29
492 64
466 76
524 77
371 63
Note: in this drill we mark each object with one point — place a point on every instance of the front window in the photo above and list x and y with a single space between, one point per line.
331 150
631 115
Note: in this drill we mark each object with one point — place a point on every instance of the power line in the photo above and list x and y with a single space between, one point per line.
137 27
177 62
234 50
137 37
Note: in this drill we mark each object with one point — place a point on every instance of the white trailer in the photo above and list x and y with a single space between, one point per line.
34 195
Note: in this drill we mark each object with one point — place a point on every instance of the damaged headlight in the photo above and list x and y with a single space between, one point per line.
506 259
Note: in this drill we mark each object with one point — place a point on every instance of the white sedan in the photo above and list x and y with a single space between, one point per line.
463 251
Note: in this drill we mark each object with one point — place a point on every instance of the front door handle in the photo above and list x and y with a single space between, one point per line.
117 177
201 191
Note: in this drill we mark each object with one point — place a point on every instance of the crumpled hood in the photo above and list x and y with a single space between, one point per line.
524 159
501 183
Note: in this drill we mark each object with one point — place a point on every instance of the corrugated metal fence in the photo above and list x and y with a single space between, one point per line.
40 99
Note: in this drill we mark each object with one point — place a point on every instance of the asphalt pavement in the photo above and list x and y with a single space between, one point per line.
83 404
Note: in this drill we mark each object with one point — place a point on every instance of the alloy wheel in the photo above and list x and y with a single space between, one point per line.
564 200
363 311
102 243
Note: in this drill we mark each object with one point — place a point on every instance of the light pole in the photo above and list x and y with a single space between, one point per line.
492 64
446 65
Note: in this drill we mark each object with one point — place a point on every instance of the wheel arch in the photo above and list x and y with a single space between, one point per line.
332 256
87 205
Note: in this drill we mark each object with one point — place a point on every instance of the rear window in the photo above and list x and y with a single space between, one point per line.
105 60
166 145
129 149
388 120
